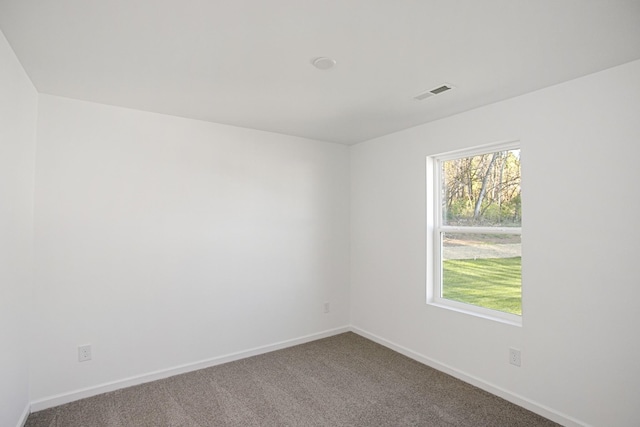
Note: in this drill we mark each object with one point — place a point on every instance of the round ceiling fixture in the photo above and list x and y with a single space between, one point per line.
323 63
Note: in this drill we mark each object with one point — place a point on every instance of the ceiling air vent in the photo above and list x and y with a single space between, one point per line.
432 92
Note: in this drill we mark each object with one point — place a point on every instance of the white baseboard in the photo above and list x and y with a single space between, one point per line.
524 402
60 399
25 414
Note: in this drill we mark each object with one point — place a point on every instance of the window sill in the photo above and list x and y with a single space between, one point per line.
484 313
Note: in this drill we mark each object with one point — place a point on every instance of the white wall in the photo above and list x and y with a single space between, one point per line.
165 241
581 283
18 112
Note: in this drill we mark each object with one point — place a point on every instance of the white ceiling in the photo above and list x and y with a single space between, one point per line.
247 62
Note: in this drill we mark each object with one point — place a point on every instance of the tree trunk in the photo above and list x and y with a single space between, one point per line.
483 189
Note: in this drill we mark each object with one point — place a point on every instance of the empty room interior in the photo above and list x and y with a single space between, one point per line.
189 184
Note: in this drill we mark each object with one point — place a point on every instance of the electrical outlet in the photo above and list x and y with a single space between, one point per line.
327 307
515 357
84 353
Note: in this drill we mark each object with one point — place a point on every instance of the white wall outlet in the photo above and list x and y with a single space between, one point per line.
327 307
515 357
84 353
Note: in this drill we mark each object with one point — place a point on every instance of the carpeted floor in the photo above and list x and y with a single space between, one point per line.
345 380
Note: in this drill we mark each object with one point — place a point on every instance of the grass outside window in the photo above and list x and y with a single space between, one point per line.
493 283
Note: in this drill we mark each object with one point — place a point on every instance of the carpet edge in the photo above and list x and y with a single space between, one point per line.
514 398
71 396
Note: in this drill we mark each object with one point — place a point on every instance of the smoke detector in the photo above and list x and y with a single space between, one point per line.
323 63
433 92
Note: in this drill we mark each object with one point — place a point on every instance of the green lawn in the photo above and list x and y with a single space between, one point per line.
493 283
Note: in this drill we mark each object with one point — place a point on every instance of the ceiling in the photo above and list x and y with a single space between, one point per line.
248 62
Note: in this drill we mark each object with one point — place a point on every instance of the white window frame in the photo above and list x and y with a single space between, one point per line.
435 228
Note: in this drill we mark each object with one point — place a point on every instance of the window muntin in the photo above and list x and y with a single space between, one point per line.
476 228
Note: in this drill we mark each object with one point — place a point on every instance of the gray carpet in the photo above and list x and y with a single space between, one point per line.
345 380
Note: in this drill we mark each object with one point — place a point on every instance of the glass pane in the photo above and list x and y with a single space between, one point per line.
483 270
482 190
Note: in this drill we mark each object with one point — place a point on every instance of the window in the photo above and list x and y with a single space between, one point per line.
474 231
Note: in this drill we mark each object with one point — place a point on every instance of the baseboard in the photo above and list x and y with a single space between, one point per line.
60 399
524 402
25 414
